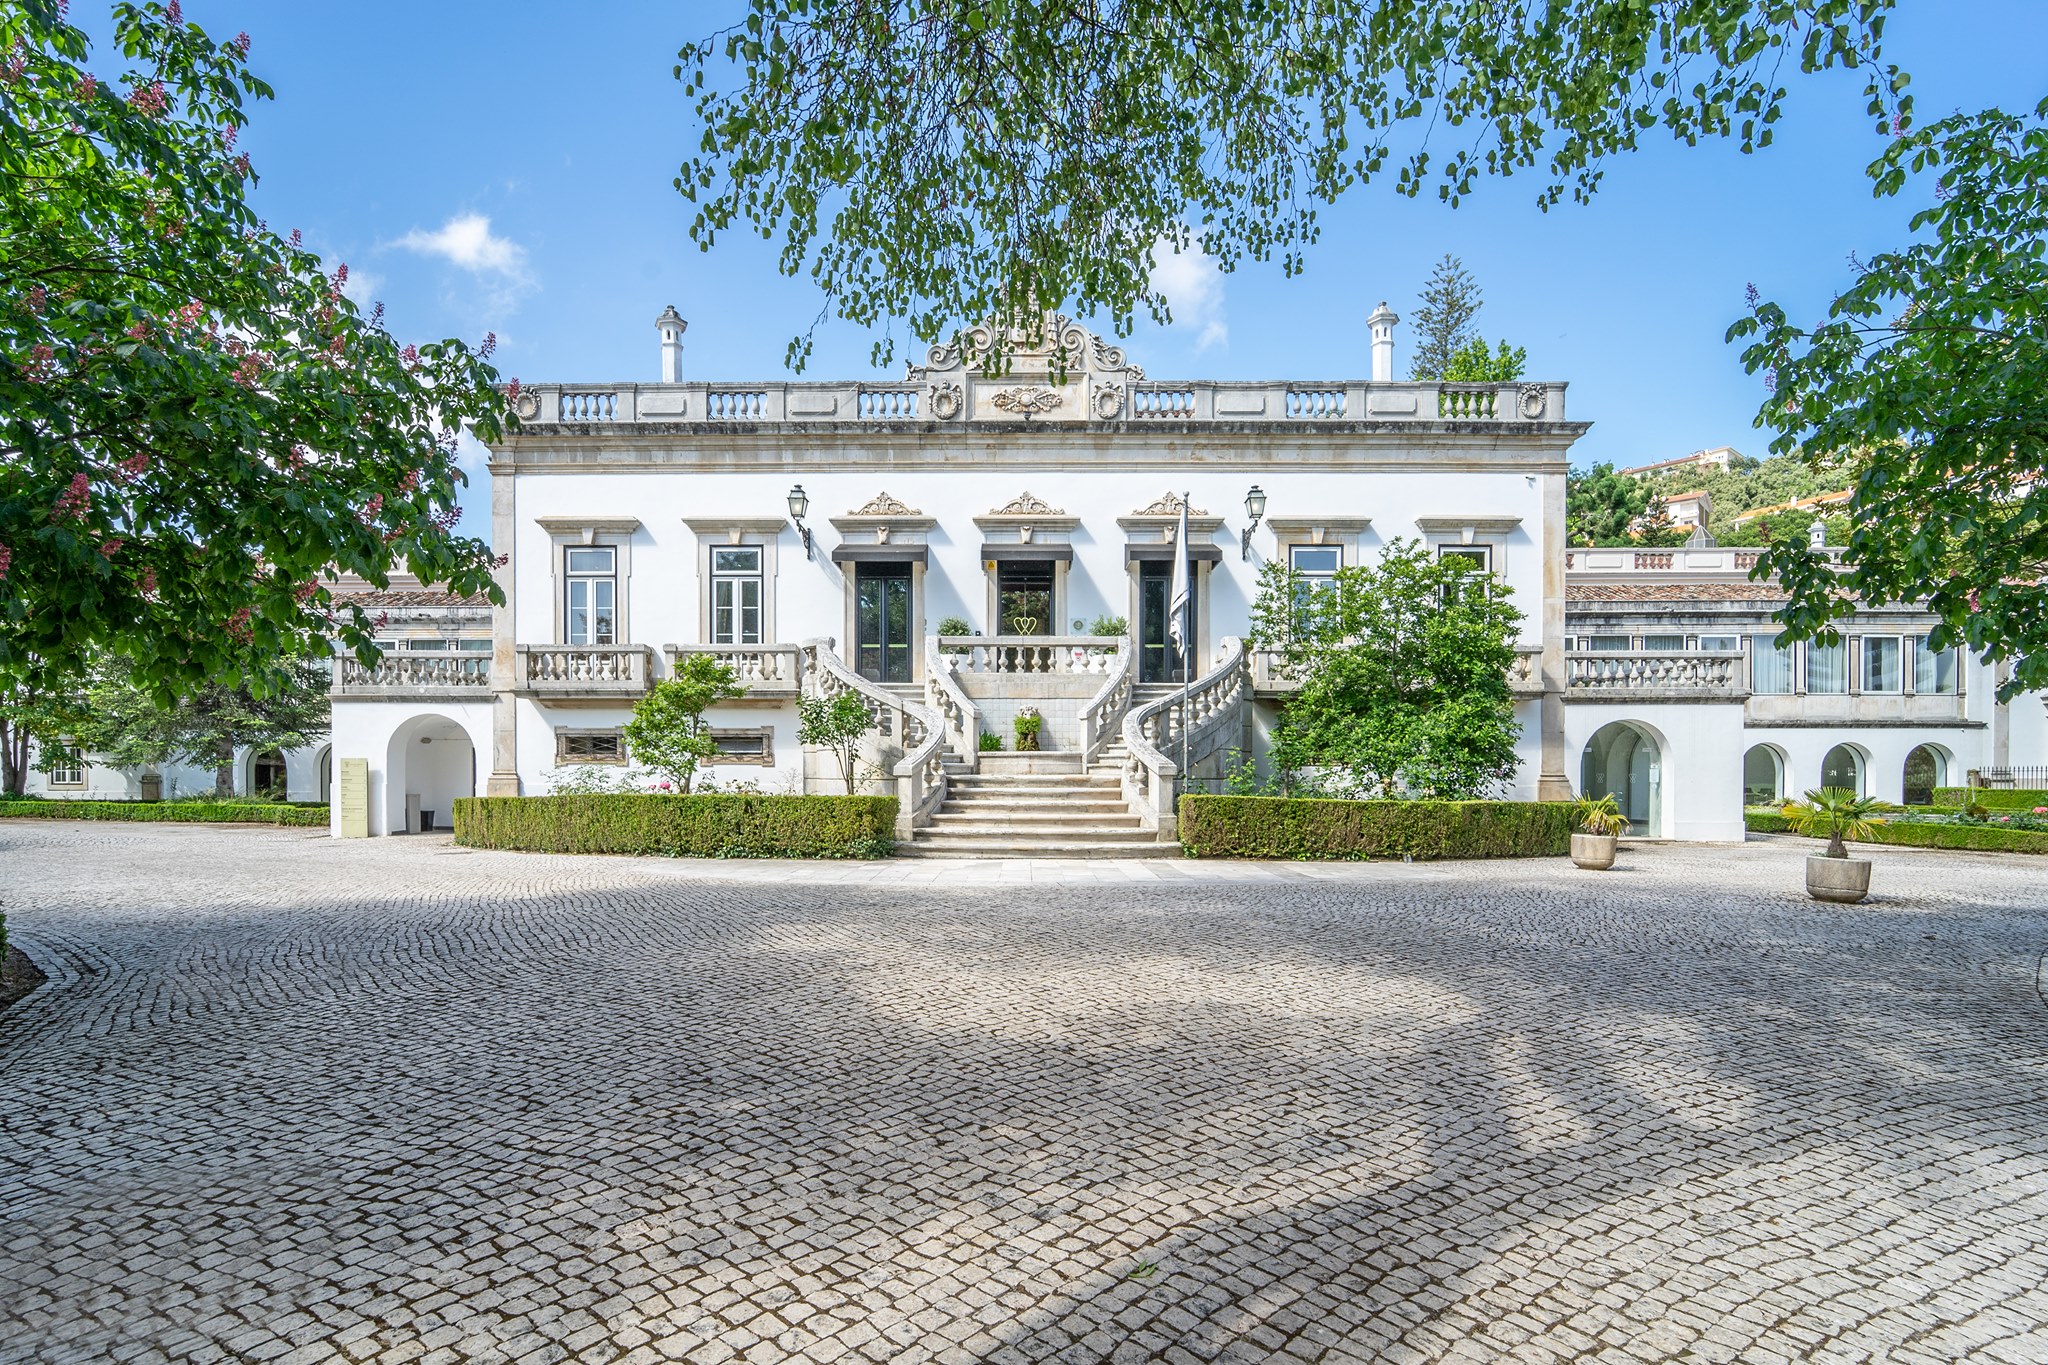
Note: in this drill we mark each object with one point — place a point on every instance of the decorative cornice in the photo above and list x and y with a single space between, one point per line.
1169 506
1465 528
1319 529
588 528
732 528
884 516
1027 505
882 505
1027 399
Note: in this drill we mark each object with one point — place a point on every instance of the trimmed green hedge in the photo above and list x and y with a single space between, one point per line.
1916 834
1288 827
682 826
211 812
1991 798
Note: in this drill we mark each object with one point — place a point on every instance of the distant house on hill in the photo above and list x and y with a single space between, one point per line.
1720 457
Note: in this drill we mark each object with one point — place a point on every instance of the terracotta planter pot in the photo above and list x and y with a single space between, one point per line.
1842 880
1595 852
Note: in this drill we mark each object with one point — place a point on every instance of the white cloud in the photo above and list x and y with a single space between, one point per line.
362 287
467 241
1193 287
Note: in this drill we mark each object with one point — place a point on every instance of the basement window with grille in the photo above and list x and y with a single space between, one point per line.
589 746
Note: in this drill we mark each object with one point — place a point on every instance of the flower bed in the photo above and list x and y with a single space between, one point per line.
682 826
1290 827
211 812
2013 834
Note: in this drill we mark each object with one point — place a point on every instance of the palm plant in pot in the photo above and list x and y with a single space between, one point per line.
1837 814
1600 827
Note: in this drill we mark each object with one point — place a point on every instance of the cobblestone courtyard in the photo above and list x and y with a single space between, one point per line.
289 1099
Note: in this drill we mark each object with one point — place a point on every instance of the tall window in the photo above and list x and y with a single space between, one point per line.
1827 667
1934 670
1475 560
591 594
1315 572
1674 644
736 587
1770 667
1881 664
1720 644
1606 644
67 767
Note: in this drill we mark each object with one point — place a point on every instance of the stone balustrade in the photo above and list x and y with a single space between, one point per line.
1037 654
451 674
1270 677
1655 675
585 671
939 402
1209 716
768 672
1621 559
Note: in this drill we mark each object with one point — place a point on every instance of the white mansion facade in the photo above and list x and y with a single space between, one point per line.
947 546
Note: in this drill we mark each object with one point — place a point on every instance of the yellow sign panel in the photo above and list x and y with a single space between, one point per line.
355 798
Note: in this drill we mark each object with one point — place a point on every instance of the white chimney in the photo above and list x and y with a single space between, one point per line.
672 328
1382 323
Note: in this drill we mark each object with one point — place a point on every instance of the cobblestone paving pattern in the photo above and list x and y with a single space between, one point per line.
287 1099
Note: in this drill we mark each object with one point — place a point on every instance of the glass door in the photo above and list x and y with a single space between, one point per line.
882 622
1158 660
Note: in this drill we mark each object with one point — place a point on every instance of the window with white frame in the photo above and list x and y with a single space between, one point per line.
1605 644
67 766
589 746
737 583
590 594
1315 572
1770 667
1934 670
749 745
1674 644
1881 664
1827 668
1720 644
1475 560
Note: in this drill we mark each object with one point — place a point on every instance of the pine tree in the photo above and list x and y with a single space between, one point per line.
1443 318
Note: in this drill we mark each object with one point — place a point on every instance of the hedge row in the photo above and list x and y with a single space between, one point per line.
1991 798
682 826
1919 834
212 812
1287 827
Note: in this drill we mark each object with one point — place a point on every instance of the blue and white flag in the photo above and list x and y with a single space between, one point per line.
1178 627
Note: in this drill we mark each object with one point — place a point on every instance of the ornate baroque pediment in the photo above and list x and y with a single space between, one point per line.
1060 345
1168 506
1027 505
882 505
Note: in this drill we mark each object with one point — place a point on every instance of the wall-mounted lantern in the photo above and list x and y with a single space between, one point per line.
799 506
1254 508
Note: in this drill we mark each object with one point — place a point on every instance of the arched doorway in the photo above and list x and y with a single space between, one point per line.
1843 767
430 758
1627 760
327 775
1763 776
1926 769
267 775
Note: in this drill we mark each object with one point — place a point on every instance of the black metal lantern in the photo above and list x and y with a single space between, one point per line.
799 505
1255 509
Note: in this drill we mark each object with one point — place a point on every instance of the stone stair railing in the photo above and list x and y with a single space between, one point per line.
1103 716
959 715
910 737
1210 711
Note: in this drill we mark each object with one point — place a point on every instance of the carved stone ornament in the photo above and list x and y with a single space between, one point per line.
1027 399
1109 401
1532 401
882 505
526 406
1026 505
947 400
1168 506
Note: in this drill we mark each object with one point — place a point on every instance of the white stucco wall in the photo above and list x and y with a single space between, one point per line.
1700 748
389 735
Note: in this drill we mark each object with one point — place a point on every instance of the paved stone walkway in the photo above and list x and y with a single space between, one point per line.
293 1100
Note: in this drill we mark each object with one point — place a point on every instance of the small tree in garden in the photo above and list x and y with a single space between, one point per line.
1402 669
668 732
837 723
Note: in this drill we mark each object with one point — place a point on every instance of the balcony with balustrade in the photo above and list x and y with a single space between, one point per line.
1655 676
1271 681
770 673
584 673
414 675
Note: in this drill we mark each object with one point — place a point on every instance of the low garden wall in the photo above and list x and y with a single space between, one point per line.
212 812
1985 838
1290 827
682 826
1991 798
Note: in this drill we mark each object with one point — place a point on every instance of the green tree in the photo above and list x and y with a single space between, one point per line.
198 428
30 722
668 732
1928 382
1402 668
934 160
836 723
122 719
1442 321
1600 506
1473 363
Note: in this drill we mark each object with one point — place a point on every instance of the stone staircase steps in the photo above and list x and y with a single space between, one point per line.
1035 815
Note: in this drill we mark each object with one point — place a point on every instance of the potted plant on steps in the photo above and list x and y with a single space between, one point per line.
1837 814
1600 826
1028 723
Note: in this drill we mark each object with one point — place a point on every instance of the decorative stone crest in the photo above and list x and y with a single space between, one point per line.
1026 505
1532 400
1109 401
882 505
947 399
1168 506
1026 399
526 406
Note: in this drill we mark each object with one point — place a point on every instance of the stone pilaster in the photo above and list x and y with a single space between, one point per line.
504 777
1552 781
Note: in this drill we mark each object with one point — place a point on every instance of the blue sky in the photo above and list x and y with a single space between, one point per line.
507 167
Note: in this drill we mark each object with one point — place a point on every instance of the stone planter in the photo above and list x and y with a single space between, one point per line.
1594 852
1842 880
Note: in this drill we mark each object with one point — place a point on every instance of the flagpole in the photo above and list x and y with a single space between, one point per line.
1187 634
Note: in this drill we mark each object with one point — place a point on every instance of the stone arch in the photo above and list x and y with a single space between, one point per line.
1928 766
1763 775
433 757
265 773
1846 765
1629 759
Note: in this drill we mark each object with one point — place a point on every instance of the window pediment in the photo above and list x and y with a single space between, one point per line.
587 529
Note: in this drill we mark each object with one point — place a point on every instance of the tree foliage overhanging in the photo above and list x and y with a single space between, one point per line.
1928 383
197 425
939 160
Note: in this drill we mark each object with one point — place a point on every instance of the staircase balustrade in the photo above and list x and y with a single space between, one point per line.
1211 713
943 693
1034 653
912 730
1103 716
